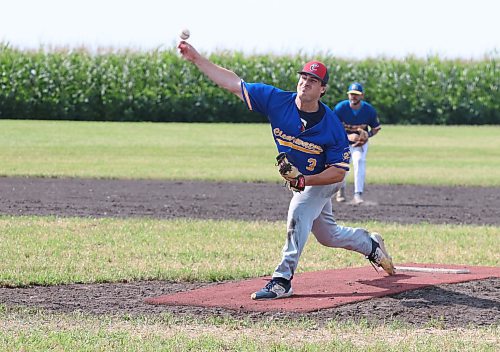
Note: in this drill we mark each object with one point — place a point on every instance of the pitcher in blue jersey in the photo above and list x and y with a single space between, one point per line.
359 119
315 142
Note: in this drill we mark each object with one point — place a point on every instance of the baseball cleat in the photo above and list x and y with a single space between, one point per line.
274 289
341 195
357 199
379 255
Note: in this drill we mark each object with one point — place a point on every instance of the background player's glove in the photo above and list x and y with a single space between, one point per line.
362 138
294 179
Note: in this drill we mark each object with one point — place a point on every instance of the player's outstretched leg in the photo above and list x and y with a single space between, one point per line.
276 288
379 255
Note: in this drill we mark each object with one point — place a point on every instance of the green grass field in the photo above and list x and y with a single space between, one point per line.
52 250
428 155
49 250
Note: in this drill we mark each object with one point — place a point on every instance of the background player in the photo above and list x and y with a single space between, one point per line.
356 116
314 141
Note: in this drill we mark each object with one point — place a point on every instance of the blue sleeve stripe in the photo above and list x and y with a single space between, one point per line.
246 97
343 166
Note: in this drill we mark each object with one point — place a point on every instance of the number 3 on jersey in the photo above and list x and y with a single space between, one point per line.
312 164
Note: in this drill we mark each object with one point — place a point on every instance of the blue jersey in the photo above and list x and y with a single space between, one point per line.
311 150
354 119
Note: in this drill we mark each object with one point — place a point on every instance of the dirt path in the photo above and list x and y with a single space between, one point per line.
476 302
247 201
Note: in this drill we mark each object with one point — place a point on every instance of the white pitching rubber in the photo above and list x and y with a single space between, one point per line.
432 270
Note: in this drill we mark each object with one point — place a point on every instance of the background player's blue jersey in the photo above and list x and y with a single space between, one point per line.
312 150
354 119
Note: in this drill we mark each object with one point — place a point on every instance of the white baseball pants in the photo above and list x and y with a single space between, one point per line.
358 158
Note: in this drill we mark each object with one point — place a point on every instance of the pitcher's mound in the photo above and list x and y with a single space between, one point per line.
327 289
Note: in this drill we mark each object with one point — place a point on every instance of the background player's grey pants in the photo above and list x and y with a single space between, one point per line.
311 211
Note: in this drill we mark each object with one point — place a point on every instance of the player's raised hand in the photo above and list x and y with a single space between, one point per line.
187 51
224 78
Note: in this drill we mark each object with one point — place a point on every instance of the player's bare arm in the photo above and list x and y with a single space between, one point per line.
224 78
328 176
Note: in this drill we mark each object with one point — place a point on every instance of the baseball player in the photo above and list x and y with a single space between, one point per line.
360 122
314 157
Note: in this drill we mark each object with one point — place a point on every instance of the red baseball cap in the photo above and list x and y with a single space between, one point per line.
316 69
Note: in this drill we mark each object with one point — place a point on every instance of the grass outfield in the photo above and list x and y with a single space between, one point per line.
24 330
51 250
426 155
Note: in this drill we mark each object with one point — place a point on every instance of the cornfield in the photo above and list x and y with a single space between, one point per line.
160 86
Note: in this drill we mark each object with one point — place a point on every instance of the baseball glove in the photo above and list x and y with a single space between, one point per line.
294 180
362 138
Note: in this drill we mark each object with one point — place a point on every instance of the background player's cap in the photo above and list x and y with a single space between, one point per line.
355 88
316 69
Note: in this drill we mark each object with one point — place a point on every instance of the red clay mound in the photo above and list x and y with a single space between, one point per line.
327 289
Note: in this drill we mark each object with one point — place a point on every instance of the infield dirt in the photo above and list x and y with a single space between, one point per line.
470 303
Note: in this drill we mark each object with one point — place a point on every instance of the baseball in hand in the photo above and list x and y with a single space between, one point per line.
184 34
